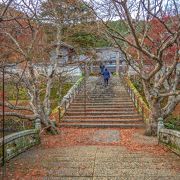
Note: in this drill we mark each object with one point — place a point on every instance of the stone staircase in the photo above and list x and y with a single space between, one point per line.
97 106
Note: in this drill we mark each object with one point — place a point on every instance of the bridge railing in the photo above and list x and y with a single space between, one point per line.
137 99
16 143
170 138
69 97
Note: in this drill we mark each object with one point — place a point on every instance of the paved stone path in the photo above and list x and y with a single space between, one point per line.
106 136
101 161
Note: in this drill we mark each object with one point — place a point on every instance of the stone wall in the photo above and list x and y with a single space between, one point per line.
16 143
170 138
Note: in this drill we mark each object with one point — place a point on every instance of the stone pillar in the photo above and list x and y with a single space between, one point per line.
86 70
160 125
38 124
123 67
91 68
117 63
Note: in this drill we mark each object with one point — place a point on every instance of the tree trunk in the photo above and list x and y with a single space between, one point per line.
151 128
45 120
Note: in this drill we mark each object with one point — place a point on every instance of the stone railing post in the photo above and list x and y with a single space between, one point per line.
38 124
59 113
117 63
160 124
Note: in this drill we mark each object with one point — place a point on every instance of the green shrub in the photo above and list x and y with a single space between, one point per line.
114 74
94 74
172 123
139 88
23 93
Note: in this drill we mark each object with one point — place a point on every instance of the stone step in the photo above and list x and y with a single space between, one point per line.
87 101
104 91
103 100
70 113
125 121
104 97
121 96
101 125
84 116
102 106
102 109
108 91
124 95
101 103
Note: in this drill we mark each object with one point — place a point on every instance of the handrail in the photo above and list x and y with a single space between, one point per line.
69 97
18 142
137 99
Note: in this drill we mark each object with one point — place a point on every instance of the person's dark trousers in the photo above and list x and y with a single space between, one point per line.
106 81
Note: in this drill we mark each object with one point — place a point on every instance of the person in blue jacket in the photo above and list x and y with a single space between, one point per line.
106 75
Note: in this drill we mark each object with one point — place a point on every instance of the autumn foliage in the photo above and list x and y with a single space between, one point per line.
21 37
156 35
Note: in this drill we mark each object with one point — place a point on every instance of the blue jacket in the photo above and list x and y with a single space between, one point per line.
106 74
